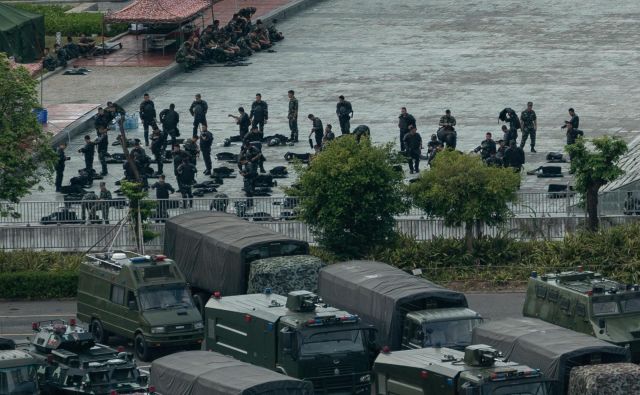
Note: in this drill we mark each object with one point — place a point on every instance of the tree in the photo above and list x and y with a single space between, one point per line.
140 210
594 169
461 189
27 157
349 195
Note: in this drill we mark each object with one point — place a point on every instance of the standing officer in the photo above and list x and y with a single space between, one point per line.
102 143
574 121
101 120
529 125
186 178
147 115
259 113
88 151
293 116
198 110
206 141
157 148
163 189
413 144
105 195
447 121
170 118
405 120
191 148
344 111
62 158
249 172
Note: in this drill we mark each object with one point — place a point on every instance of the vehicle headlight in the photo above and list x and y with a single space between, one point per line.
365 379
158 329
198 325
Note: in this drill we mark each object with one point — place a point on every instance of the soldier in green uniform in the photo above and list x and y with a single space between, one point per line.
293 116
447 121
529 124
186 57
105 196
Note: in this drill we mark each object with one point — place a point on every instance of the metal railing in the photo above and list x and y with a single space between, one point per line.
529 205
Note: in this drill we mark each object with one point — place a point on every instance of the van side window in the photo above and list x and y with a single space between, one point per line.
117 294
553 295
541 291
581 309
565 304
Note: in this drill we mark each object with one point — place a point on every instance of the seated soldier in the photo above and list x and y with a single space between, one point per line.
61 55
73 50
274 34
87 45
186 57
49 62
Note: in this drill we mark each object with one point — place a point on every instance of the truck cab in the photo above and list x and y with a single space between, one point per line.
142 298
443 371
587 302
446 327
295 335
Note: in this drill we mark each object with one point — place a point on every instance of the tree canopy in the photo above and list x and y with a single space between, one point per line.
349 195
27 157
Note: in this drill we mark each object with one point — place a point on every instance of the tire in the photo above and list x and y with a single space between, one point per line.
100 335
141 348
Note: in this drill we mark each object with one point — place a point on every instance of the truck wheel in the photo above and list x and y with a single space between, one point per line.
97 330
141 348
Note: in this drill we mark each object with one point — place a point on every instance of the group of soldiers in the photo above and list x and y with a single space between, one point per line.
239 39
61 54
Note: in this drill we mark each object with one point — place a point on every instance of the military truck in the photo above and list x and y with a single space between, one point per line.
478 370
72 363
586 302
17 370
552 349
206 373
408 312
142 298
295 335
219 252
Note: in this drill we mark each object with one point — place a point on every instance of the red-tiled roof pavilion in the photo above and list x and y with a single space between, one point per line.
159 11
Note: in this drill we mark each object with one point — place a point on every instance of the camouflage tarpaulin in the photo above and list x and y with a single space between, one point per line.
285 274
607 379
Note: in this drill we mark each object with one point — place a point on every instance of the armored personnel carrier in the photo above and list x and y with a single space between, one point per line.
17 370
586 302
72 363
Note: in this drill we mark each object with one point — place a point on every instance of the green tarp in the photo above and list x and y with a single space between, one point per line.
21 34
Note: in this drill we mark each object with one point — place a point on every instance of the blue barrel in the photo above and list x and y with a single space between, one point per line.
41 115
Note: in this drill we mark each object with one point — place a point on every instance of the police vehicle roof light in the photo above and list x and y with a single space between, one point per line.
267 291
72 322
35 326
152 389
160 258
217 295
534 274
424 374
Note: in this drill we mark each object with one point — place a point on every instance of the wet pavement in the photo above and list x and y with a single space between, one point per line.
475 58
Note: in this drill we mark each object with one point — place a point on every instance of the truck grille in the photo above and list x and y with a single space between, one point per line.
321 384
179 328
331 370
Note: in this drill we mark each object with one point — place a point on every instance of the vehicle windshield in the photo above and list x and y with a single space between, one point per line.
332 342
453 334
99 377
164 298
20 380
603 308
539 388
126 374
631 305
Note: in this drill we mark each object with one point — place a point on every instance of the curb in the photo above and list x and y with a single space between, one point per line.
82 124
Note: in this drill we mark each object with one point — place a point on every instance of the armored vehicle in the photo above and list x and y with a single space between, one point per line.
143 298
586 302
219 252
294 335
207 373
17 370
72 363
552 349
444 371
408 312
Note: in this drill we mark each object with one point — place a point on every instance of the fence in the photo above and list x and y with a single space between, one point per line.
530 205
100 237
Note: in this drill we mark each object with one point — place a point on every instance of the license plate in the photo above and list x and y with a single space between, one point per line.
180 327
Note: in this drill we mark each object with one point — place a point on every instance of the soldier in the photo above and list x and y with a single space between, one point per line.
572 133
137 149
102 143
249 172
60 164
316 130
344 111
49 62
404 121
90 205
191 148
163 189
506 135
170 118
328 135
198 110
101 120
529 124
157 148
206 141
61 55
186 57
114 109
413 144
243 122
88 151
574 121
186 178
147 116
259 113
447 121
105 196
293 116
502 148
486 147
514 156
493 160
178 156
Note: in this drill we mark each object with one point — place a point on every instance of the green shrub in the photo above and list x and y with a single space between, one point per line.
38 285
74 24
38 261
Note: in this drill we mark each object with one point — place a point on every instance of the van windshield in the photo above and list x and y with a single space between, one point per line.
454 334
333 342
164 298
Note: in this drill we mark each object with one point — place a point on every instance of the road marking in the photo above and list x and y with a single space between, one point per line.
40 315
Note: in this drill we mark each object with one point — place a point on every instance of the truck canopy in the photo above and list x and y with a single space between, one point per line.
285 274
208 247
210 373
552 349
382 295
611 379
